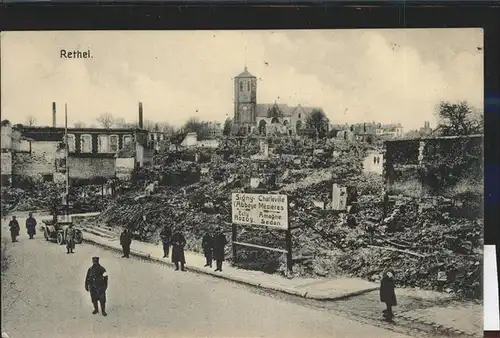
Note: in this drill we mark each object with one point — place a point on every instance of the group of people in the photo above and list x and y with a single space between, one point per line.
31 223
213 244
15 229
213 247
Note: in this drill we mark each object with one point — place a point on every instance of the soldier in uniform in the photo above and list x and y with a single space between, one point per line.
220 242
387 294
207 244
70 238
96 282
31 225
125 241
14 229
178 243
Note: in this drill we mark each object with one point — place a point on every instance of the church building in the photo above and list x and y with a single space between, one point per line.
264 118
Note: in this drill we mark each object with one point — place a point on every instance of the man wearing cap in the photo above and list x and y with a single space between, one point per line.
125 241
31 225
70 238
178 244
220 243
96 283
14 229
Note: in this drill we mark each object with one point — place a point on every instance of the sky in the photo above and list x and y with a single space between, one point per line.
386 76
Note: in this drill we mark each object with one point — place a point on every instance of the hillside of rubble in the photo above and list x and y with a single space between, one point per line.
431 243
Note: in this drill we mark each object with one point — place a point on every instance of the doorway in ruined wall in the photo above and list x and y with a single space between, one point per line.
262 127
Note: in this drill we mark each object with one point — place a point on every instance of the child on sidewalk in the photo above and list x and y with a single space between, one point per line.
387 294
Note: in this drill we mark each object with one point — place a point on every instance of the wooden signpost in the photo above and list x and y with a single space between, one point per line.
267 210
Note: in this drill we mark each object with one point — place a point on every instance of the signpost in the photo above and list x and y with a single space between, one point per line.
267 210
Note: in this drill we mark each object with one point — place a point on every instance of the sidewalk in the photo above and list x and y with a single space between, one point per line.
320 289
441 314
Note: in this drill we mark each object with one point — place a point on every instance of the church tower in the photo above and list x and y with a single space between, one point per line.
245 100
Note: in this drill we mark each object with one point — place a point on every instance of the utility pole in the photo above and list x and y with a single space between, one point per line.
66 148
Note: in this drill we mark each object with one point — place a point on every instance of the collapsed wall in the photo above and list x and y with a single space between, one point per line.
442 166
422 240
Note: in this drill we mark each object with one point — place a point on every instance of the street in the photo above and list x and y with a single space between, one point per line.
43 295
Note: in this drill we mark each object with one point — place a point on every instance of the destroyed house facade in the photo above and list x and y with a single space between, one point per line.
446 166
39 153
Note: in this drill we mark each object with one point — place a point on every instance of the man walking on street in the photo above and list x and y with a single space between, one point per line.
387 294
125 241
96 282
14 229
178 243
70 238
220 242
166 235
31 225
207 245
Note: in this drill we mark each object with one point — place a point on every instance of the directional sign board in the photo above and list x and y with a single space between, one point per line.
260 209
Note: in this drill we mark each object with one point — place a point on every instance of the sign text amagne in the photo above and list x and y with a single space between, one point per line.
260 209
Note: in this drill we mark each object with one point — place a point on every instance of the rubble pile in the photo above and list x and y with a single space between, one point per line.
46 196
430 236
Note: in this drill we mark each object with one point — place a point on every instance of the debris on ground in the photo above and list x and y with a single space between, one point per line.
429 242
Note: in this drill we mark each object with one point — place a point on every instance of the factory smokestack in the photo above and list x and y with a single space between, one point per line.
53 114
141 122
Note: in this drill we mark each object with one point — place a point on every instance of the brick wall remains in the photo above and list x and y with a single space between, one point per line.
90 167
41 160
438 166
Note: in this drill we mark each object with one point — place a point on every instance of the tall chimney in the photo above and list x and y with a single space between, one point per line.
141 122
53 114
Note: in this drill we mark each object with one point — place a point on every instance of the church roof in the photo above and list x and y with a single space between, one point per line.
245 74
263 108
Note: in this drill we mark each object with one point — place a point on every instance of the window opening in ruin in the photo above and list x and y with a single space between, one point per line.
113 143
103 146
127 139
86 144
71 143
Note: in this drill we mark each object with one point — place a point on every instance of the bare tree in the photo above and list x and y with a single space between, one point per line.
167 128
79 124
120 122
30 120
106 120
459 119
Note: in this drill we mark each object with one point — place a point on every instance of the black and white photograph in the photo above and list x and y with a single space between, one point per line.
242 183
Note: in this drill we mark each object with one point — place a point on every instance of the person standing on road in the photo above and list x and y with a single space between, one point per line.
220 242
207 244
31 225
178 244
387 293
14 229
70 238
125 241
96 282
166 235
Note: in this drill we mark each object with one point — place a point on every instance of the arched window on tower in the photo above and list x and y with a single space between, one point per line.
248 85
241 86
